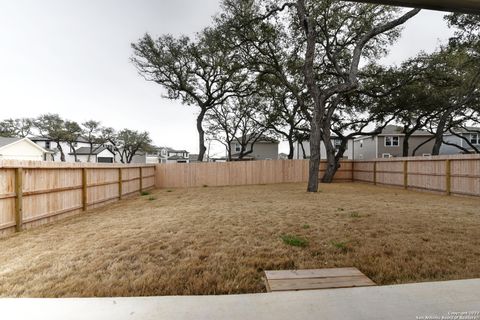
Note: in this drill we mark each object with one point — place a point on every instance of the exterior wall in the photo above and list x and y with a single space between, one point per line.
446 149
65 147
261 151
298 152
84 158
414 142
21 150
365 148
152 159
374 147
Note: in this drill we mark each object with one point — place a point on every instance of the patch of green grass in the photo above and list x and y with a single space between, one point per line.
152 198
144 193
340 245
340 209
306 226
294 241
354 215
169 190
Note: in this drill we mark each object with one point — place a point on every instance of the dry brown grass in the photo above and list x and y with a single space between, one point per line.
218 240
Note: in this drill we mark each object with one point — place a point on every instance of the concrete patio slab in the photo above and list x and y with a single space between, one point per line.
434 300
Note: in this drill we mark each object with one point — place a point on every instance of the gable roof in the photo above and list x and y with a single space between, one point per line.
465 130
261 139
39 138
397 130
4 142
95 151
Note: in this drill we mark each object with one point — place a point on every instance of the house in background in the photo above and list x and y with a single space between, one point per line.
167 155
99 154
21 149
472 134
264 148
389 144
302 150
51 146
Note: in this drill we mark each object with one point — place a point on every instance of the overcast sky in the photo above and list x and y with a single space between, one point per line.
72 57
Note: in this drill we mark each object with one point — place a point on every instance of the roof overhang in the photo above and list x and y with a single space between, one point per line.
465 6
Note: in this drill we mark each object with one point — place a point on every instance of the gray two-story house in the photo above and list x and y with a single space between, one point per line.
389 144
265 148
457 143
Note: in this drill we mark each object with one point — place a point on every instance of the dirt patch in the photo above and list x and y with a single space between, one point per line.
219 241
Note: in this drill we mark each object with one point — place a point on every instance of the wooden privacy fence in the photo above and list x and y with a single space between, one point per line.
457 175
183 175
34 193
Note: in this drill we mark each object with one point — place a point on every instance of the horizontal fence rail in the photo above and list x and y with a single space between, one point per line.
456 174
240 173
34 193
452 175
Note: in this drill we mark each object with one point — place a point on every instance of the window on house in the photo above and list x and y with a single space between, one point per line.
337 143
474 138
238 147
392 141
47 144
361 143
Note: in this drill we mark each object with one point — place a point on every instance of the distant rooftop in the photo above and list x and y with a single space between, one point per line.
6 141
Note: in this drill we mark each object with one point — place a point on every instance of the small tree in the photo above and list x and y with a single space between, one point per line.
129 143
21 127
52 126
92 134
73 131
202 72
241 121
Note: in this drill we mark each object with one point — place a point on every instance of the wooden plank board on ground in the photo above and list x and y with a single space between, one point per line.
315 279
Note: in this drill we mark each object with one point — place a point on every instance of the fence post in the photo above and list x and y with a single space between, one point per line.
375 172
353 170
18 199
448 177
120 183
405 174
141 179
84 189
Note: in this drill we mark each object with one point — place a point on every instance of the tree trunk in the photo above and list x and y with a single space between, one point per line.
291 148
314 164
201 136
406 146
439 136
90 153
62 155
332 163
304 154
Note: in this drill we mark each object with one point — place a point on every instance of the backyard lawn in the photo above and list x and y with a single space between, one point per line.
219 240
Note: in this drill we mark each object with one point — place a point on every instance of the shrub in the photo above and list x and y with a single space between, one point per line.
152 198
144 193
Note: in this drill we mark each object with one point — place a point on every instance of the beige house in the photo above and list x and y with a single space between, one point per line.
21 149
389 144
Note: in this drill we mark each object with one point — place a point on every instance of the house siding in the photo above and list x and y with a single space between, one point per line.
298 152
21 150
261 151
